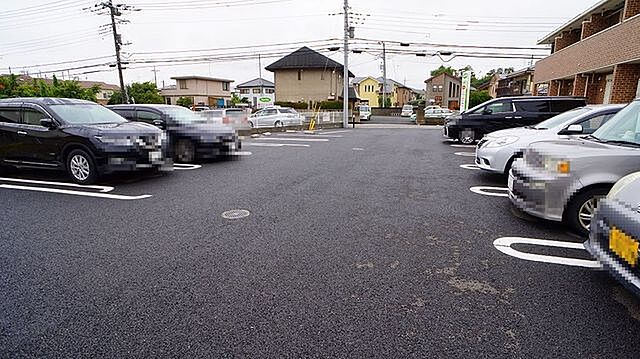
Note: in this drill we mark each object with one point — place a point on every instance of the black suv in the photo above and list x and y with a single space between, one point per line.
506 112
81 137
190 135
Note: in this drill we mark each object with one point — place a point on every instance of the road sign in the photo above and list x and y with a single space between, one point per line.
466 91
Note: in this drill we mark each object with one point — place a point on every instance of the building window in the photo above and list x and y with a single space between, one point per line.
440 87
269 91
435 88
225 86
299 75
244 91
182 84
168 100
257 91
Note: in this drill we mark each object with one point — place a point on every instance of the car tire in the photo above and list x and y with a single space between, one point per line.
582 206
81 167
467 137
184 151
278 124
251 124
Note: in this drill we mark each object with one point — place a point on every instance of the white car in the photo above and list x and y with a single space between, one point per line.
407 111
276 117
234 117
497 150
365 112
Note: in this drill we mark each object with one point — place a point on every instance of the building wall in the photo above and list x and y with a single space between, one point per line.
307 85
254 94
618 44
404 96
197 87
625 81
369 89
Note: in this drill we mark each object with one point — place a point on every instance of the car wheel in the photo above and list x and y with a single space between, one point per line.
81 167
278 124
184 151
580 210
467 137
251 124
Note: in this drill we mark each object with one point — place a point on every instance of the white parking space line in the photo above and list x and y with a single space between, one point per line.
504 245
185 167
358 149
277 145
490 191
75 193
463 146
103 189
242 153
470 167
279 138
332 132
465 154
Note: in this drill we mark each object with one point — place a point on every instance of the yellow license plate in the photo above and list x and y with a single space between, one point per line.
624 246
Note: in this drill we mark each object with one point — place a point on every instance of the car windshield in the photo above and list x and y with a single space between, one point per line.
407 108
364 108
182 115
561 119
86 114
624 127
288 110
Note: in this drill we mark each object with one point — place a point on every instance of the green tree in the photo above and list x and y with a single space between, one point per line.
478 97
387 102
235 99
144 92
11 86
185 101
440 70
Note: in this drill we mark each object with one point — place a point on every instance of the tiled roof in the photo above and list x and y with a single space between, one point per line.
259 82
306 58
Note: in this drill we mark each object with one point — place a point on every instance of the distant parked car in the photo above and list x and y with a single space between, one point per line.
191 137
563 180
80 137
506 112
437 113
407 111
365 112
497 150
614 238
201 108
234 117
276 117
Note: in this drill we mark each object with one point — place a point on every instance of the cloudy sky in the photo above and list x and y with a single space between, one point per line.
57 35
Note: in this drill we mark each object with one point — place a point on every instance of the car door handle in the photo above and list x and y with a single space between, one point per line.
509 117
518 117
22 133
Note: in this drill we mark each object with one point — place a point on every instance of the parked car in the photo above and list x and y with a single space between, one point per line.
190 136
80 137
497 150
563 180
614 238
276 116
407 111
235 117
199 108
506 112
365 112
437 113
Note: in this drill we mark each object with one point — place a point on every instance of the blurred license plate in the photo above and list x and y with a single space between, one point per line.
624 246
155 156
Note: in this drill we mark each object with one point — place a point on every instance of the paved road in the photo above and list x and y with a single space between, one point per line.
394 120
368 244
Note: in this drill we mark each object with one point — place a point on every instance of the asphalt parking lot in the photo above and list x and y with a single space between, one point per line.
358 243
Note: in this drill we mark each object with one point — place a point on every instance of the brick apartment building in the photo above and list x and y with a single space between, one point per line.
443 90
596 55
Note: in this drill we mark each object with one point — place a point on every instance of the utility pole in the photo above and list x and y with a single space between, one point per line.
384 75
260 75
155 75
345 96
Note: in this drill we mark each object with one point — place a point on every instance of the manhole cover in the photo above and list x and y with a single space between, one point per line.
236 214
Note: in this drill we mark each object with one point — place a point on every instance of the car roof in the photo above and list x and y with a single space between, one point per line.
46 101
529 98
141 105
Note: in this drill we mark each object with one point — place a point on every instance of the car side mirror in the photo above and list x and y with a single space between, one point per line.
573 130
48 123
158 123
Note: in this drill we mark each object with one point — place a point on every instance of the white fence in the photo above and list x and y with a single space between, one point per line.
322 117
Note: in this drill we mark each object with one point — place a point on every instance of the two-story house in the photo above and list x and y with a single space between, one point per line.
368 89
207 91
307 76
259 92
443 90
595 55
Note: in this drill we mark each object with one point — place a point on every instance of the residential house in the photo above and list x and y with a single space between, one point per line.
595 55
307 76
259 92
368 89
491 85
518 83
399 94
443 90
207 91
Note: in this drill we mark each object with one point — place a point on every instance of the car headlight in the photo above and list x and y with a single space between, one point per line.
501 141
557 165
622 183
122 141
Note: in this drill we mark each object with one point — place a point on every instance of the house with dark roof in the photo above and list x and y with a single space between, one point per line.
258 92
305 75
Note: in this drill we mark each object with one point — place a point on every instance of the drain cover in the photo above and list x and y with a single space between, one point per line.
236 214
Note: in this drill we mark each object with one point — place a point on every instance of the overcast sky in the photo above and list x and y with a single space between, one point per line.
34 32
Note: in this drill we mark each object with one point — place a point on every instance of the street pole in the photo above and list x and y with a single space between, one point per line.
155 76
117 41
384 75
345 96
